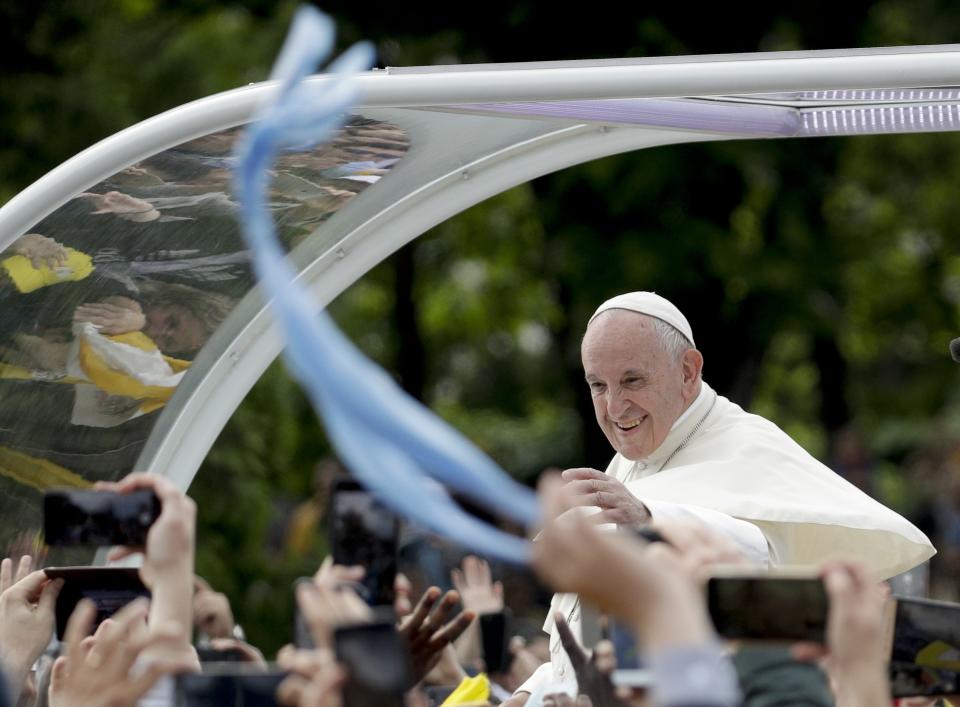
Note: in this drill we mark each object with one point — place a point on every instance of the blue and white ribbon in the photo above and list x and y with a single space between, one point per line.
391 443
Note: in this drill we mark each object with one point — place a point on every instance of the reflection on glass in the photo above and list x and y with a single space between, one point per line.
105 303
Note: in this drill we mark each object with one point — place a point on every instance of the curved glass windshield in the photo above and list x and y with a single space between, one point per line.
105 303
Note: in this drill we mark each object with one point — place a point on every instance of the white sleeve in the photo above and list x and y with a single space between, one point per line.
541 676
745 535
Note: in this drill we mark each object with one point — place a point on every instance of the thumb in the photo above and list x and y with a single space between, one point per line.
48 597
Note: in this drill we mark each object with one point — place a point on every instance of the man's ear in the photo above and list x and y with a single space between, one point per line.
692 365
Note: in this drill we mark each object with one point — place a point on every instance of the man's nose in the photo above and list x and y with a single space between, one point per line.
616 404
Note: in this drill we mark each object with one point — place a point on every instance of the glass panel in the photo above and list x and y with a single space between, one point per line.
105 303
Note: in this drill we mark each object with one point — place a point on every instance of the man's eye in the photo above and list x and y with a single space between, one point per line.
597 386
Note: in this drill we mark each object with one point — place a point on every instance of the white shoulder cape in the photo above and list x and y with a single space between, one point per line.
723 458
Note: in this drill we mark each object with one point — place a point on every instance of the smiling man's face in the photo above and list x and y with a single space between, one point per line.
638 389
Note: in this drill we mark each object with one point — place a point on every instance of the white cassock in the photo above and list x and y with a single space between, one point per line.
746 479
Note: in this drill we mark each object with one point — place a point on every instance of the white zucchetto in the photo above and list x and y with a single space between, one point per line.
651 304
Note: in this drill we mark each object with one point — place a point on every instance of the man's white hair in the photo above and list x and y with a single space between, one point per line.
671 338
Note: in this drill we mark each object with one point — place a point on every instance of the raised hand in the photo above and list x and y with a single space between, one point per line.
96 672
593 680
26 622
478 592
589 487
427 634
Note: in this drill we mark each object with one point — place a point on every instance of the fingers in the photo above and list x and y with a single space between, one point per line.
325 607
401 590
453 630
48 596
112 637
119 553
23 568
58 674
78 627
477 570
6 574
459 581
290 691
420 612
590 487
29 588
582 473
555 502
141 480
250 653
331 574
447 605
605 657
577 657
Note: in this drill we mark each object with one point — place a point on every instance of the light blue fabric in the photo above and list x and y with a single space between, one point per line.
390 442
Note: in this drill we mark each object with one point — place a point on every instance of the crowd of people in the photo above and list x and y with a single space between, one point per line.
653 587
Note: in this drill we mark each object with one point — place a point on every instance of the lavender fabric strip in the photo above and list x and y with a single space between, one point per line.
391 443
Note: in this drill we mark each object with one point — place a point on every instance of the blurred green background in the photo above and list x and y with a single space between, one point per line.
822 277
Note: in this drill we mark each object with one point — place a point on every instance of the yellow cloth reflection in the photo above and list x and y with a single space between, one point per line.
27 278
38 473
114 372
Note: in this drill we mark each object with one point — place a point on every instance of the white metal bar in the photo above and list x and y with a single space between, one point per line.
698 78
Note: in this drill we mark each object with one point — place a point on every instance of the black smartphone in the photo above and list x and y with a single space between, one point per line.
109 588
927 632
377 663
768 607
75 517
495 641
363 532
236 685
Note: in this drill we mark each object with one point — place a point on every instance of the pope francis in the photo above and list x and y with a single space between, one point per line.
683 451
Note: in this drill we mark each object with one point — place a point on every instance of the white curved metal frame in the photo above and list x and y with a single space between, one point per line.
238 354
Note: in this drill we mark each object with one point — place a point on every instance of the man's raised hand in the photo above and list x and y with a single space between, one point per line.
589 487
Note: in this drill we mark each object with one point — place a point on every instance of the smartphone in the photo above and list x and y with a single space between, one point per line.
109 588
75 517
927 633
236 685
363 532
377 663
770 607
495 640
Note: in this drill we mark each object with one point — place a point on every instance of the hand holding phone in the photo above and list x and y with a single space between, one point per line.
168 568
